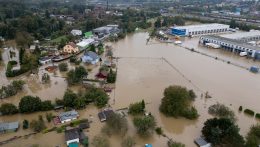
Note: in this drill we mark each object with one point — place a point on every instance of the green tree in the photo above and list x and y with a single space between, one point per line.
221 111
92 48
79 103
171 143
117 124
128 142
63 66
8 109
75 76
49 116
253 136
233 24
100 141
111 77
144 125
157 23
25 124
137 108
222 131
69 98
37 125
176 102
46 105
29 104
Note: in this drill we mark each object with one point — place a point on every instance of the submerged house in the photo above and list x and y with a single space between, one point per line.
68 116
200 142
103 115
74 136
85 43
9 127
90 57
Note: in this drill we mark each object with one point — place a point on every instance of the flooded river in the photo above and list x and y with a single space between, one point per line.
143 73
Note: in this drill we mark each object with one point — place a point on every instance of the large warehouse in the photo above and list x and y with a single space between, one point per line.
232 45
252 35
201 29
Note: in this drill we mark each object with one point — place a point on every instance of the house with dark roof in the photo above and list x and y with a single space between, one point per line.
9 127
68 116
200 142
90 57
104 115
72 136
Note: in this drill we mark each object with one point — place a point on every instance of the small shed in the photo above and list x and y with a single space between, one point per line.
103 115
72 136
9 127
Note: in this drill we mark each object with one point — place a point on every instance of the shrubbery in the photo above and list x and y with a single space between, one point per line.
63 66
221 111
137 108
253 136
75 76
8 109
11 89
145 125
176 102
249 112
257 115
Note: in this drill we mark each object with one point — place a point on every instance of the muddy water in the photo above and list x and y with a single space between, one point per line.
145 78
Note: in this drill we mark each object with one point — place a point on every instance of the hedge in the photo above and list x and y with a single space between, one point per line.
240 108
249 112
257 115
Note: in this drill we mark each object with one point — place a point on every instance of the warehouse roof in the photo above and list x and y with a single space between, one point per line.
231 41
242 35
198 26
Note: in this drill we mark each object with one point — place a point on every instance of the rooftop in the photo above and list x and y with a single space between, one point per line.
9 126
242 35
200 141
231 41
91 54
85 42
72 134
68 115
201 26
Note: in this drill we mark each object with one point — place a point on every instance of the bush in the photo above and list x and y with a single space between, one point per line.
96 95
8 109
257 115
100 141
144 125
137 108
63 67
249 112
240 108
25 124
171 143
222 111
128 142
253 136
159 130
75 76
111 77
46 105
11 89
49 116
37 125
13 62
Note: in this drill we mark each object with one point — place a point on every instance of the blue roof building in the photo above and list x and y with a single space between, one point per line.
90 57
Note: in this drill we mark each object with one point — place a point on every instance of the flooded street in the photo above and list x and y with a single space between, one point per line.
144 71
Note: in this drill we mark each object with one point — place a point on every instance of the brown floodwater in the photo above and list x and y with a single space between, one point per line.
143 74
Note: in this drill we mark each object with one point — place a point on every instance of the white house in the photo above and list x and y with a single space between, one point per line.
85 43
68 116
76 32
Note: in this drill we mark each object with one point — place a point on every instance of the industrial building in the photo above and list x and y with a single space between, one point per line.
232 45
253 35
201 29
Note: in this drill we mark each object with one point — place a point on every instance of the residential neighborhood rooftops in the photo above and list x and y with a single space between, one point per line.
71 134
85 42
103 115
9 126
69 115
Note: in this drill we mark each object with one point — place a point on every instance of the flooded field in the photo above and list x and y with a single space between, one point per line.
144 71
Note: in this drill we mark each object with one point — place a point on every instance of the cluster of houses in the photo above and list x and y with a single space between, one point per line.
88 38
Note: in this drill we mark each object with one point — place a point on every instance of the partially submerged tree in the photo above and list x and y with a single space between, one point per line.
8 109
137 108
222 131
100 141
221 111
253 136
128 142
63 66
145 125
116 124
176 102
